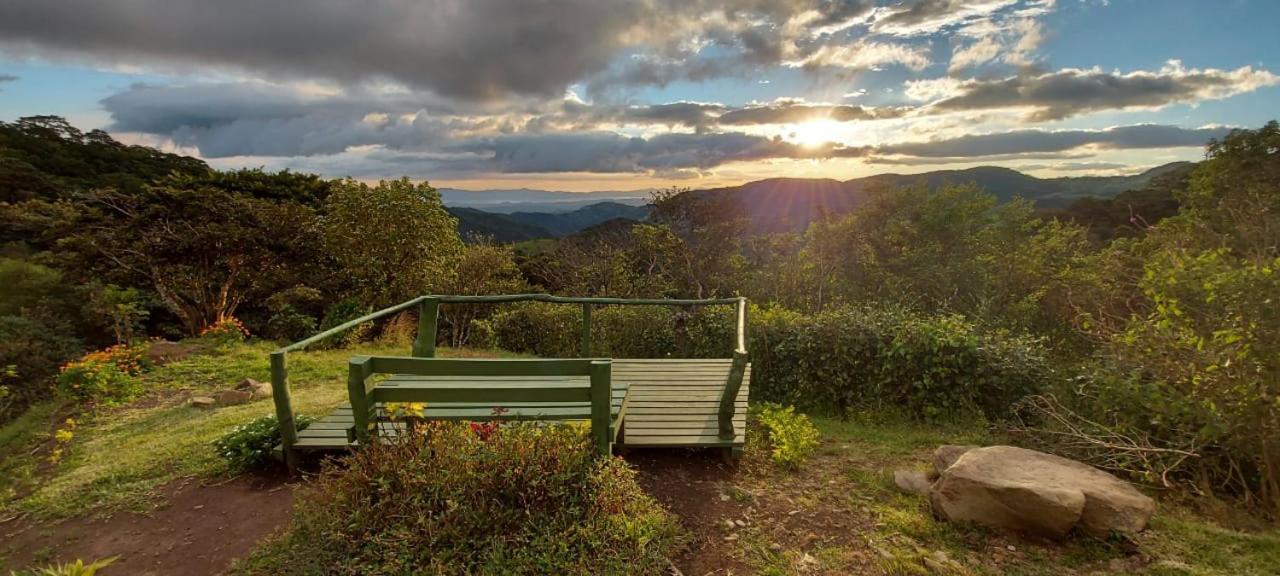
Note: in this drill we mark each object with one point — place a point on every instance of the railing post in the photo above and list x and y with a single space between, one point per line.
360 408
586 329
601 404
729 398
428 315
284 408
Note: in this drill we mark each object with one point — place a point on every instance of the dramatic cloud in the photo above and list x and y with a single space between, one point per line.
1070 92
476 49
8 78
1041 141
925 16
665 153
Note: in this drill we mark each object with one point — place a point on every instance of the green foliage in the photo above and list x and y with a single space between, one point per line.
393 241
929 367
482 268
248 446
290 319
790 436
110 376
31 354
77 568
340 313
525 499
539 328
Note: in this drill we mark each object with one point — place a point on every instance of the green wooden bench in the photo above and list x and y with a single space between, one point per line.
473 390
670 403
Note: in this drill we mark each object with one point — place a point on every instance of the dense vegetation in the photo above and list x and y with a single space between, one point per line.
458 499
1138 332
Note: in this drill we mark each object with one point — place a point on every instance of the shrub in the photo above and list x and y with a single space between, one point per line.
789 436
78 568
929 367
225 332
30 353
109 375
524 499
539 328
248 446
340 313
633 331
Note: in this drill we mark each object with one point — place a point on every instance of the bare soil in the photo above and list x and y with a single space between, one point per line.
200 529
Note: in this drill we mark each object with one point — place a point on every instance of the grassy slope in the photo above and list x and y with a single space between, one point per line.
877 529
120 456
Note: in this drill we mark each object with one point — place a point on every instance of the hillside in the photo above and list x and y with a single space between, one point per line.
790 204
521 226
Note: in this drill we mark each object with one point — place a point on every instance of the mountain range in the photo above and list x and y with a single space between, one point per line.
772 205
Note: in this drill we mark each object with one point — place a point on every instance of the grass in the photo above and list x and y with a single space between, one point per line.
120 456
876 529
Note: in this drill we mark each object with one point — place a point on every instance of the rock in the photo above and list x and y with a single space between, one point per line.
205 402
233 397
912 481
1029 491
947 454
259 389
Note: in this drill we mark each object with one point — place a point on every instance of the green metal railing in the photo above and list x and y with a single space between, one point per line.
424 345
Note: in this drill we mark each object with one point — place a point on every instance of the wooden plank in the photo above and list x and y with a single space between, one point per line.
480 366
431 392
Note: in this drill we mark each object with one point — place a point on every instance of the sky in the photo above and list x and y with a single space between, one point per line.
628 94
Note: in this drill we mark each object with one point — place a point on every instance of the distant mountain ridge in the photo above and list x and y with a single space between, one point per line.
790 204
521 226
545 201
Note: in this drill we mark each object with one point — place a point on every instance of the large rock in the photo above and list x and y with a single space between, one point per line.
1028 491
912 481
947 454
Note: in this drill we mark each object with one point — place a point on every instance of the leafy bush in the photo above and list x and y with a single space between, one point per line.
225 332
539 328
109 375
78 568
882 358
340 313
523 499
30 353
552 331
789 436
248 446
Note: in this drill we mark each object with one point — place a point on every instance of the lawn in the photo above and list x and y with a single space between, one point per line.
120 456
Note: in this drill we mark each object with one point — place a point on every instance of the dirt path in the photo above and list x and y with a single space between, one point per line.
200 530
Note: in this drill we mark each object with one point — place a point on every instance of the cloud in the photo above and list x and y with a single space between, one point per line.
864 55
914 17
476 49
1070 92
8 78
609 152
1042 141
786 112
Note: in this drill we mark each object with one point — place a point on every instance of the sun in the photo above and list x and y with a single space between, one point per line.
814 133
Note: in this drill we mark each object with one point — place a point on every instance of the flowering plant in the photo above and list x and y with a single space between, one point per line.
229 330
110 374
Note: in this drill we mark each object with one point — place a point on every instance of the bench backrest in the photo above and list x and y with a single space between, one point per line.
364 396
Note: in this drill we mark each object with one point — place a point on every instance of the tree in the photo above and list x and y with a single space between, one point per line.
204 250
393 241
483 267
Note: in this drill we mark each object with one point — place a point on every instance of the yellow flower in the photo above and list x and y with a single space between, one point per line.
63 436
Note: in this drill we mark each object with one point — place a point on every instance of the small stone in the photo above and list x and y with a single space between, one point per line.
776 547
259 389
197 507
808 559
724 497
740 523
731 538
204 402
729 525
233 397
1011 548
912 481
